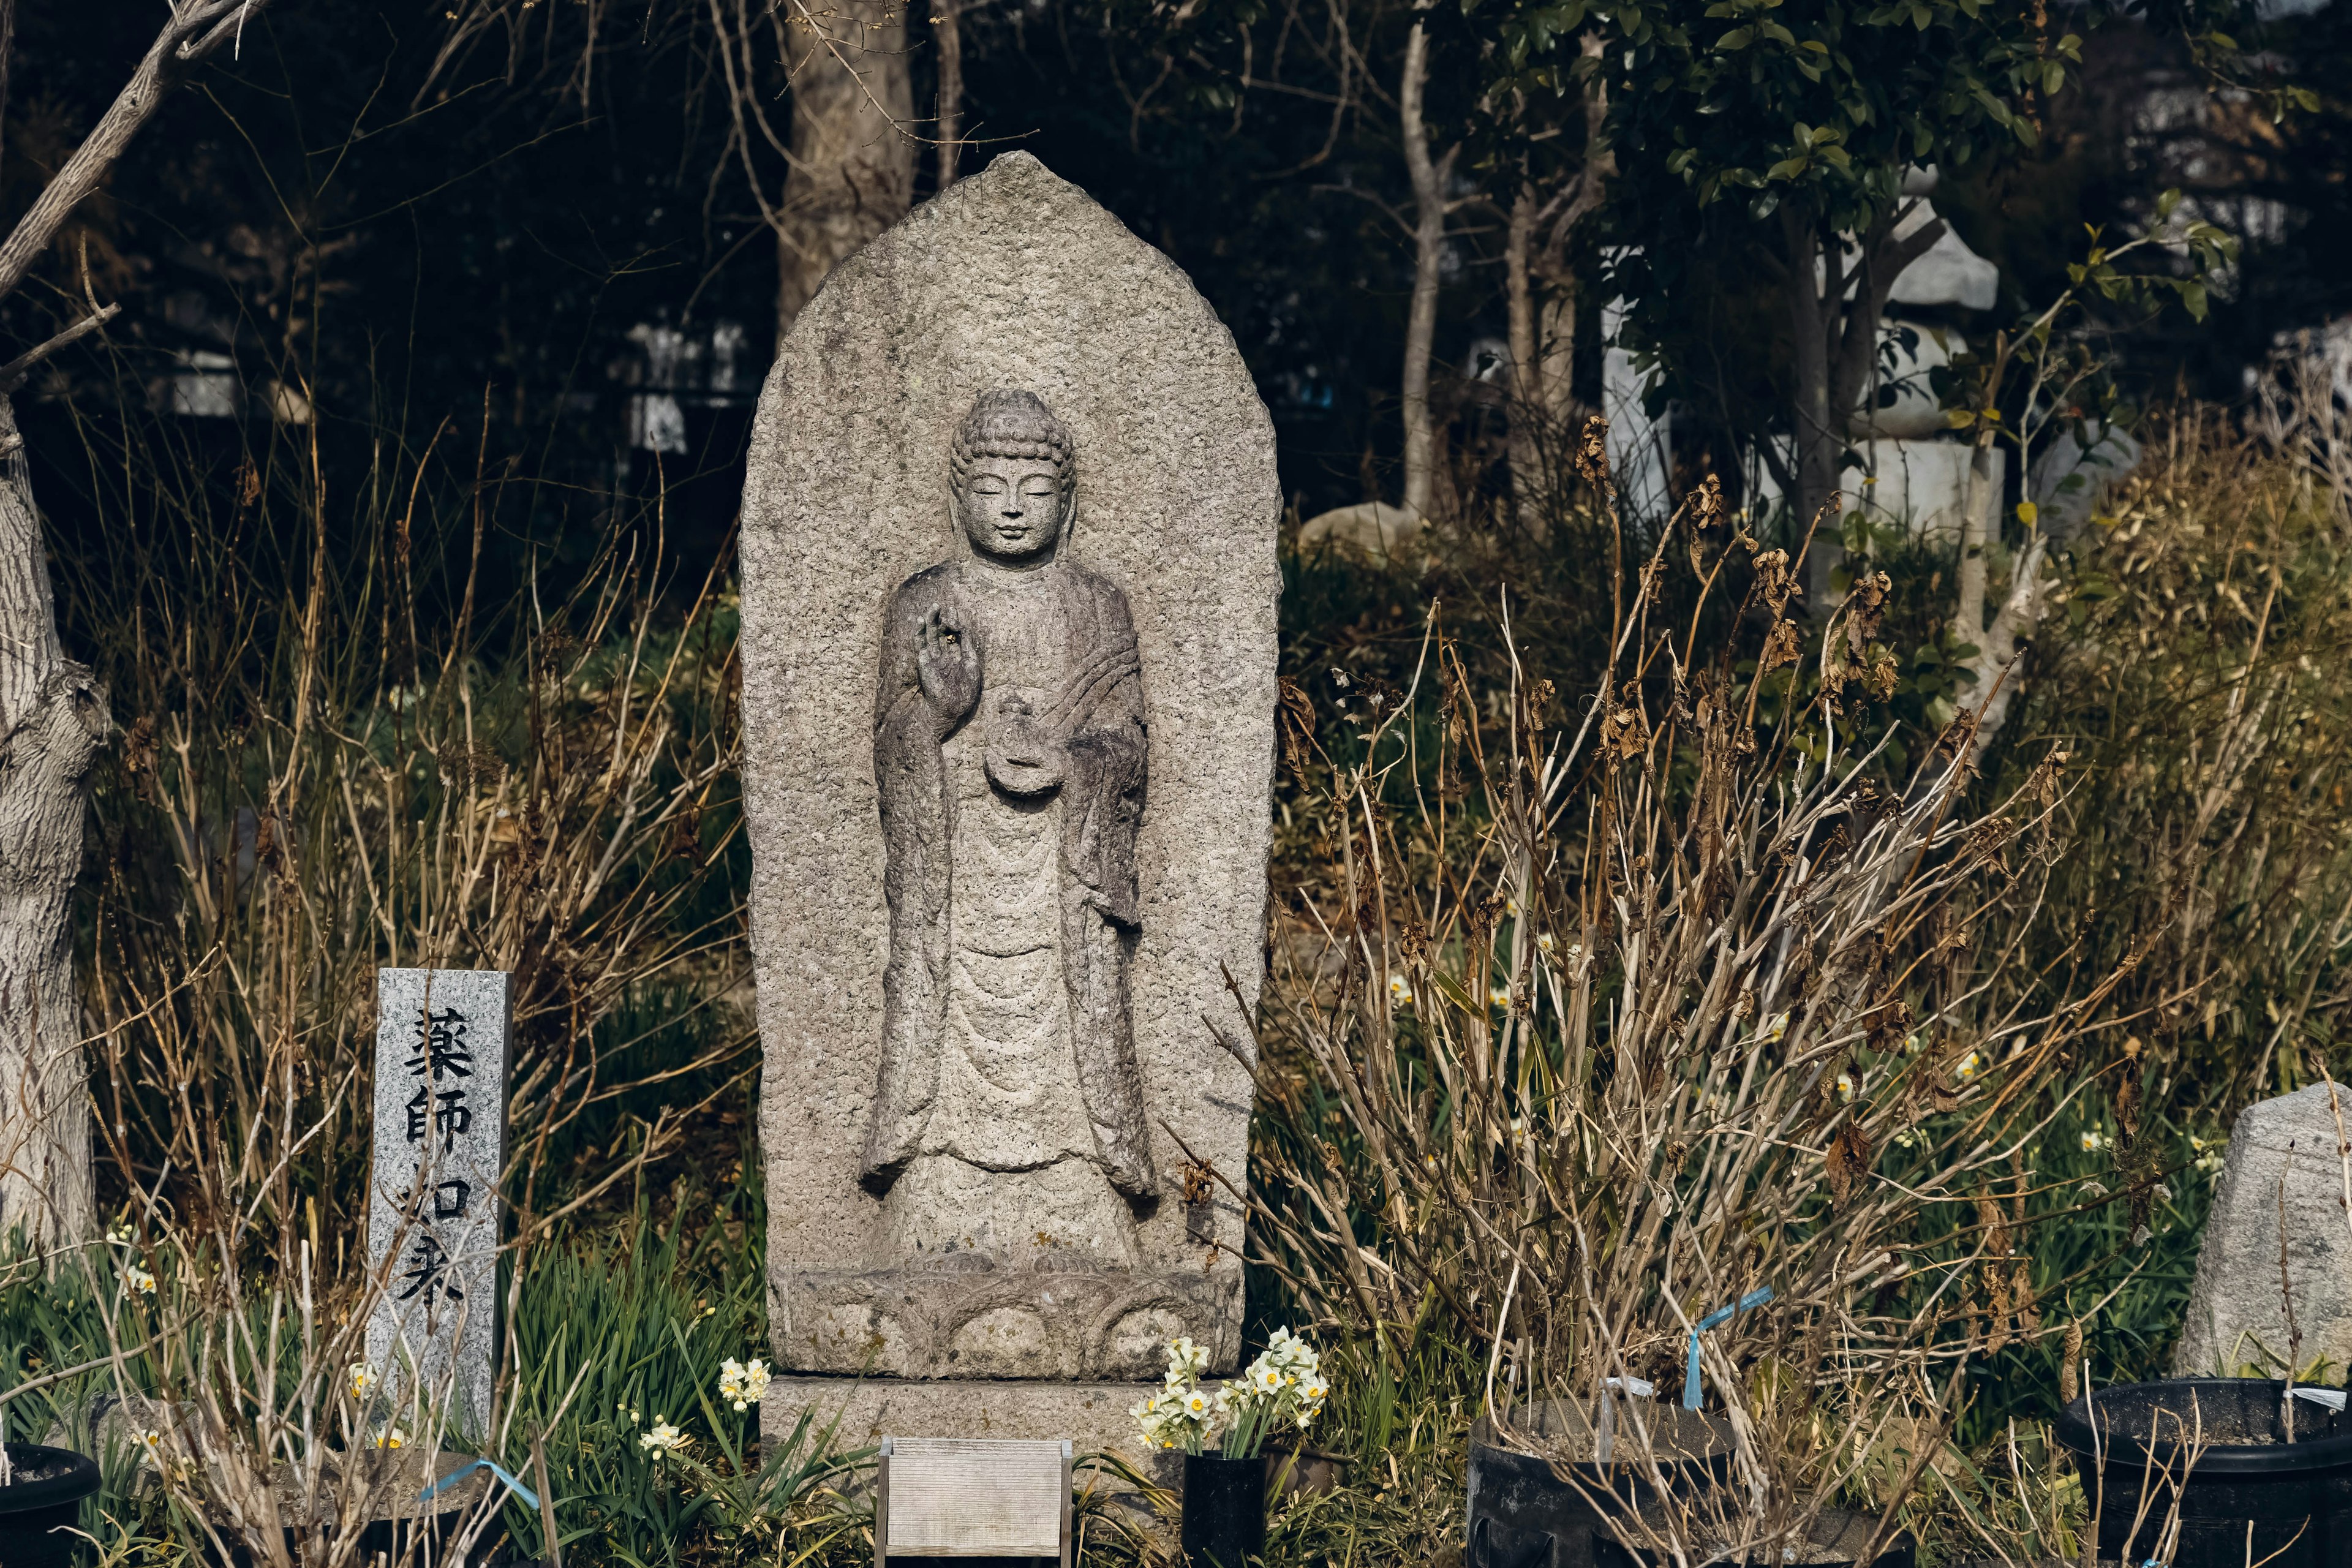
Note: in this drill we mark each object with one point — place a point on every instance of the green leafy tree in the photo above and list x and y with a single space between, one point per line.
1807 119
1808 115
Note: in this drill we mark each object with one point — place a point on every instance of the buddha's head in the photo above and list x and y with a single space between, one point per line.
1013 468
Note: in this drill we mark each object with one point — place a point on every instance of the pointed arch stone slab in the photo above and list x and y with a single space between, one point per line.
1013 278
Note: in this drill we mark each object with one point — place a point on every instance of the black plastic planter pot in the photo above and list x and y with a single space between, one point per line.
40 1508
1224 1510
1525 1511
2251 1491
1838 1539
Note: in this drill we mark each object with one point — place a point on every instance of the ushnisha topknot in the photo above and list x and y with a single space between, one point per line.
1008 422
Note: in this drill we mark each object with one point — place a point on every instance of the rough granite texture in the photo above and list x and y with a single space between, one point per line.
1011 279
1092 1415
2236 1311
435 1198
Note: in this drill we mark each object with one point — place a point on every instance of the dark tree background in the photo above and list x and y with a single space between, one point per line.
337 233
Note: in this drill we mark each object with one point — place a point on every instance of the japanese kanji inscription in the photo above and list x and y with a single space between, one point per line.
433 1226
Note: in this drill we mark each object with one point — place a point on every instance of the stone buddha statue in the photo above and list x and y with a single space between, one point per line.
1008 1127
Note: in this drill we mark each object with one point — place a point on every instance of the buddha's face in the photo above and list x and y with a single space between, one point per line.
1011 508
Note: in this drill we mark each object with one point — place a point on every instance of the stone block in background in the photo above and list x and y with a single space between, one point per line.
2282 1176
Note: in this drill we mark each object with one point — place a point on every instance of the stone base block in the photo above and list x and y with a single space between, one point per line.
1018 1324
1092 1415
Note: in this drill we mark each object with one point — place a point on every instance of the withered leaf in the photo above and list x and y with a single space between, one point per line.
1866 608
1591 461
1773 580
1846 1161
1706 503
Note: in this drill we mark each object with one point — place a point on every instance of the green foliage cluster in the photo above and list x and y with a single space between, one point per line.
622 1331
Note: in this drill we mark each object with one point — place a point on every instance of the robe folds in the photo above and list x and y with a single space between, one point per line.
1064 635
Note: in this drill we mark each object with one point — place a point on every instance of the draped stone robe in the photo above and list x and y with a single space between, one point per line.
1008 1049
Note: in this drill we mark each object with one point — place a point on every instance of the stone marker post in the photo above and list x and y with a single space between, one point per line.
440 1146
2282 1187
1009 640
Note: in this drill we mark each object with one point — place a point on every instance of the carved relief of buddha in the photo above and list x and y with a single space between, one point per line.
1009 749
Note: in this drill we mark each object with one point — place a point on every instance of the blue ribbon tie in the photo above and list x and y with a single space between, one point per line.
530 1498
1721 1315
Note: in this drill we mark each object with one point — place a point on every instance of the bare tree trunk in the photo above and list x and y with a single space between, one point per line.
1976 532
1836 344
1817 432
947 27
1430 179
53 712
1540 286
53 718
1995 683
1556 354
1526 369
852 164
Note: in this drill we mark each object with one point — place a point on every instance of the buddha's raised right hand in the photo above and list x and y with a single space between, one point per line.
946 667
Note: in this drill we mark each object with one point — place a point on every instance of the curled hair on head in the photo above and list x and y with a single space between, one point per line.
1009 422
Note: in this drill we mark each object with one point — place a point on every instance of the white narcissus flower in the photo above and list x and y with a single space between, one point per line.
663 1439
741 1384
1775 1028
139 1279
362 1379
2093 1141
1399 992
1971 1064
1845 1086
1499 995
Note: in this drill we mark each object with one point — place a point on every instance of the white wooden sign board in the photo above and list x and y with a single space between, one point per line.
951 1497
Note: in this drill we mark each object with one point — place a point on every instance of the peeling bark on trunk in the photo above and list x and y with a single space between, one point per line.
1429 177
853 164
53 718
